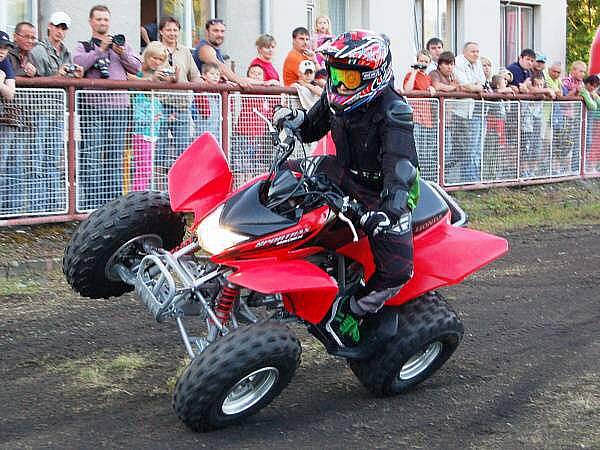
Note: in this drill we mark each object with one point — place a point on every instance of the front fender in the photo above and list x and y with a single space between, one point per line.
308 291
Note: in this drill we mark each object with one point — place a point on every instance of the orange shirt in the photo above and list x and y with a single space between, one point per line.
422 81
291 65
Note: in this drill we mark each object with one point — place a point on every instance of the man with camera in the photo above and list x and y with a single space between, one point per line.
104 117
51 56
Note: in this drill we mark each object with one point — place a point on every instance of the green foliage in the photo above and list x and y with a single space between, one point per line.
583 16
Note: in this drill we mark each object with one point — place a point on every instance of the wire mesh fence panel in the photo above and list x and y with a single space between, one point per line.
535 139
463 141
591 165
33 158
426 131
250 147
500 141
566 139
207 115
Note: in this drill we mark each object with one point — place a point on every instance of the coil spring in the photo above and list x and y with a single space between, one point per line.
228 296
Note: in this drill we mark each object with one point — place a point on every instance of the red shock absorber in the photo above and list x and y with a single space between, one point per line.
228 296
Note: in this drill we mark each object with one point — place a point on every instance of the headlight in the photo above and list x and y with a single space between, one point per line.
213 237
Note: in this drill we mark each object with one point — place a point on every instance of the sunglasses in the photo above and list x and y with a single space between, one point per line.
352 79
214 22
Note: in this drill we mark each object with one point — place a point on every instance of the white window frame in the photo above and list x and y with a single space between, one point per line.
453 15
503 31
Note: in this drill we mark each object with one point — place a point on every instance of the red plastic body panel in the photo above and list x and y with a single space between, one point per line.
309 290
200 179
325 146
279 244
443 255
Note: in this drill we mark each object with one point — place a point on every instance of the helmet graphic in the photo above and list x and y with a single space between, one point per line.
359 64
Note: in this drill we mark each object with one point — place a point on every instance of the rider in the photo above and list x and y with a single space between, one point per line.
376 161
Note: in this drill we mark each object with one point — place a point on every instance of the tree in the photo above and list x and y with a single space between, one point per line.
583 16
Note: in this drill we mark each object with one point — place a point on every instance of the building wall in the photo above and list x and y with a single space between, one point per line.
125 18
479 20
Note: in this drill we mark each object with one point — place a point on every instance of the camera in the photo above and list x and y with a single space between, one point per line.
70 70
119 39
102 65
167 71
419 66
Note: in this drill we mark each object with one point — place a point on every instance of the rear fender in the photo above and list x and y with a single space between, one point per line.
447 255
308 291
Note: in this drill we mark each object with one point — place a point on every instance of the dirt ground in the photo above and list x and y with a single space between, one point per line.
78 373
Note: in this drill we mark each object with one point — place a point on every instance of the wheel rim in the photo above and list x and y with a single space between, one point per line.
249 390
140 244
419 362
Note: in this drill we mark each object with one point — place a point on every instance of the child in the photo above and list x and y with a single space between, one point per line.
417 79
592 102
147 115
309 92
499 84
207 107
321 34
256 72
532 130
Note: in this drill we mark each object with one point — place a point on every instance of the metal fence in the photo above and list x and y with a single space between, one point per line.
33 160
119 141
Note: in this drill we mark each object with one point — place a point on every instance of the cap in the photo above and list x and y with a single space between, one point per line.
540 57
306 65
5 39
60 17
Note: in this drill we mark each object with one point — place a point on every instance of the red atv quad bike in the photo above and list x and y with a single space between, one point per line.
281 248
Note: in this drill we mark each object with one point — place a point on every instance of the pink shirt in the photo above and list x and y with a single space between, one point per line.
268 69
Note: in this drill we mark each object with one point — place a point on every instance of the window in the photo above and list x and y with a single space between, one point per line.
14 11
516 32
192 14
436 18
334 9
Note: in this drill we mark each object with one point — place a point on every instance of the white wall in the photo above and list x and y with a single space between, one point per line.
125 19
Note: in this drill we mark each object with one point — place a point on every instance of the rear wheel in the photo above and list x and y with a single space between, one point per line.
119 233
428 333
236 376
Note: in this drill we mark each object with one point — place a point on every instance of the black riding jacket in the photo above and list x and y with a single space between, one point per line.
376 138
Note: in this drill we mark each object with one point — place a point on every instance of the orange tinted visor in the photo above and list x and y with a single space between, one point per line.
352 79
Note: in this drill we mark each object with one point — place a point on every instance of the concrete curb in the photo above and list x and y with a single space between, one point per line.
19 268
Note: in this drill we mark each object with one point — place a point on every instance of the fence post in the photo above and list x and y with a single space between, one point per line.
441 140
71 152
225 122
583 145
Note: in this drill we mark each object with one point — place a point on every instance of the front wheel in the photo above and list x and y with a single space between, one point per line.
236 376
428 333
118 234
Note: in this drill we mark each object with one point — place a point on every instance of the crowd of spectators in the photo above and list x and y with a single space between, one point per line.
157 127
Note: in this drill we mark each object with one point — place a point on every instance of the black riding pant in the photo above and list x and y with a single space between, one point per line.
392 251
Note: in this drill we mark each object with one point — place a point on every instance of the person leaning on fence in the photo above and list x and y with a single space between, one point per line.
539 65
417 80
486 65
435 47
469 115
206 109
25 37
521 70
265 47
531 125
309 91
51 56
148 114
552 78
209 50
104 116
592 103
11 172
176 130
574 82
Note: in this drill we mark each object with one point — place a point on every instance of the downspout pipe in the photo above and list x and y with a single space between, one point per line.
265 16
